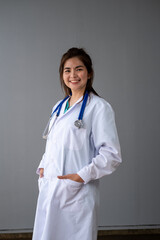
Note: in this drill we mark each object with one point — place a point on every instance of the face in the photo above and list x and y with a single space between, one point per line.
75 75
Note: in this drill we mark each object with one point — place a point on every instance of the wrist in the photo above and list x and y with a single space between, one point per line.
79 179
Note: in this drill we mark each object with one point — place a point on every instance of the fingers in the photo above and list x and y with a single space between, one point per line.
60 177
74 177
64 177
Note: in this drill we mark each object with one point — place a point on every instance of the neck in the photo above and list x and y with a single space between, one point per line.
75 96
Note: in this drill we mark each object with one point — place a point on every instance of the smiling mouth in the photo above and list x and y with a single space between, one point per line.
74 81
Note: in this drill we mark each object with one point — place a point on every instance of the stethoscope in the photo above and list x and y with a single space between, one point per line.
78 123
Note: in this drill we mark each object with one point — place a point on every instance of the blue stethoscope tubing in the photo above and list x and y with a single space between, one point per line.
78 123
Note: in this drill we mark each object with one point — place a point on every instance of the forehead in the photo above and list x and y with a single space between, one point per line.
73 62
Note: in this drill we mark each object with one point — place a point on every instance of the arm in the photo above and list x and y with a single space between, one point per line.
106 143
40 168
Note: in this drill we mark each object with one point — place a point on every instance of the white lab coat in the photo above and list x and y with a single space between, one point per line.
67 209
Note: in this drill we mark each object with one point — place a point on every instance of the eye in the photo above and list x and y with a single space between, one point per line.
67 71
79 69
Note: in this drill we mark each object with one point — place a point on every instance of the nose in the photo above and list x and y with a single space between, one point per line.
73 73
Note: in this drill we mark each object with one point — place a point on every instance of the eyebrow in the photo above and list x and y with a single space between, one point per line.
75 67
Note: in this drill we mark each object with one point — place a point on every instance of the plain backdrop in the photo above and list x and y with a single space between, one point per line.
123 39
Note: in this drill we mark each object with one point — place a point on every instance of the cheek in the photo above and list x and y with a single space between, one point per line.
85 77
64 78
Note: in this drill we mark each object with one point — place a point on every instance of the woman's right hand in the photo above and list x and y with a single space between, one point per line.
41 171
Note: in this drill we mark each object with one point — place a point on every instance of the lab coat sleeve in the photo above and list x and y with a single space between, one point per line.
106 143
41 165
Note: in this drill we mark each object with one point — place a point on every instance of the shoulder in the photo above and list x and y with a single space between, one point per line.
54 107
99 103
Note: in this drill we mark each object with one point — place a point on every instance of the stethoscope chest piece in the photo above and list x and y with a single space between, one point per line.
78 123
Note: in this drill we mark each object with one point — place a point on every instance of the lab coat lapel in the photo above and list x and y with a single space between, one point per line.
52 121
62 114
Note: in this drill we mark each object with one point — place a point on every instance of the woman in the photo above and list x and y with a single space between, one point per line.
78 153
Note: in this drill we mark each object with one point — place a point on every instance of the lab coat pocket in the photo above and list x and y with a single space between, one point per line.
71 195
74 183
75 138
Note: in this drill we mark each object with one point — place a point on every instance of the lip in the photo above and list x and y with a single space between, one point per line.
74 81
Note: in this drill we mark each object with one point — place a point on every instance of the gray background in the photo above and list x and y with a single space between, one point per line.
123 39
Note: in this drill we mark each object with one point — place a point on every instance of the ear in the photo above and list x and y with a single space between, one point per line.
89 76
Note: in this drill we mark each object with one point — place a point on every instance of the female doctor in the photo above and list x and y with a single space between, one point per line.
82 146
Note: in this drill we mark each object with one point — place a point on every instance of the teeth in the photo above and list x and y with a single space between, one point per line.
74 81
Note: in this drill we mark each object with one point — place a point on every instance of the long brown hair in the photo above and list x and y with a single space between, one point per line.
85 58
